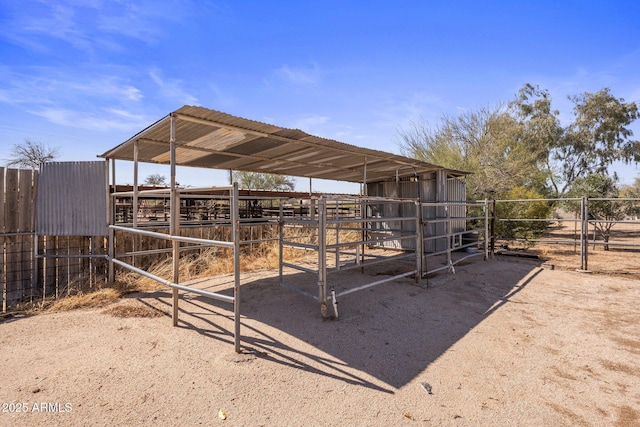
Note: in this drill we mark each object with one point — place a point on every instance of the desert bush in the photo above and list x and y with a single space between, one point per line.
521 211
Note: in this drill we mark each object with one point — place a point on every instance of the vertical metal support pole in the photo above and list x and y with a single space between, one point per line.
34 269
111 221
108 192
310 187
235 230
493 227
174 225
363 247
134 204
448 233
230 176
584 237
134 207
582 245
364 178
281 239
337 235
111 253
363 212
322 253
486 229
418 241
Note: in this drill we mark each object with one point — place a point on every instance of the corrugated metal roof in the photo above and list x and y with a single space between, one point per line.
212 139
71 199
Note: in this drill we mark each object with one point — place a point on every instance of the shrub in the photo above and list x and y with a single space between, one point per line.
521 210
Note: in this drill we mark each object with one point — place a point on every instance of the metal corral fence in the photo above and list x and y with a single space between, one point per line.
345 233
588 234
453 232
225 233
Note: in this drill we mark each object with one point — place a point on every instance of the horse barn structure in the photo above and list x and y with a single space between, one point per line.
409 213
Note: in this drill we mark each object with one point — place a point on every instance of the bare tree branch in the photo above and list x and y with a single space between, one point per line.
31 154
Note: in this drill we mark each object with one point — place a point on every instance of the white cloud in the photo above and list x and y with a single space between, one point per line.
47 85
172 89
326 127
311 121
133 20
400 110
71 98
89 26
101 120
299 76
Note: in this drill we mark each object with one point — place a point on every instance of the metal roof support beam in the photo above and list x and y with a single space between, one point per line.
364 178
290 163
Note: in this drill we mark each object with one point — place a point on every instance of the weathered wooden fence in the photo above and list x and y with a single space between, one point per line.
17 189
59 269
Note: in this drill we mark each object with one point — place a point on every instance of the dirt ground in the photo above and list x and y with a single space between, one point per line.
501 342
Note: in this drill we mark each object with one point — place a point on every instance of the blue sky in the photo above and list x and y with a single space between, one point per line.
85 75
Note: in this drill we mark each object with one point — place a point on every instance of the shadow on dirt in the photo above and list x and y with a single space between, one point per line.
391 332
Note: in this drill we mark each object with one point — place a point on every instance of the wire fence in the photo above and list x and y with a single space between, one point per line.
592 234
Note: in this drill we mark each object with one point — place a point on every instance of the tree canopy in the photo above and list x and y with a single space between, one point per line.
155 179
597 136
487 142
602 213
263 181
524 143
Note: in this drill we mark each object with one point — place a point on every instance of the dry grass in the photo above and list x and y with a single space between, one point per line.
99 298
134 310
207 263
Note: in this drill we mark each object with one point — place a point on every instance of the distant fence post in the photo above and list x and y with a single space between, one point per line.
485 245
3 300
493 228
584 233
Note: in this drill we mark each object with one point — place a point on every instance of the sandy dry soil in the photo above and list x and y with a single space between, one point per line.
501 342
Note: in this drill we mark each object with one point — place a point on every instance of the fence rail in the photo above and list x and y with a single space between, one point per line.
599 234
590 234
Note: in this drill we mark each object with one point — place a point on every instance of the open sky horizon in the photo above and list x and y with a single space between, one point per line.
85 75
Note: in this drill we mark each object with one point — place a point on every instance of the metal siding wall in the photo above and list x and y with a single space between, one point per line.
407 189
456 192
72 199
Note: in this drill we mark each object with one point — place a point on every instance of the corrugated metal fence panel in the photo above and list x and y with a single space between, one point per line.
456 192
72 199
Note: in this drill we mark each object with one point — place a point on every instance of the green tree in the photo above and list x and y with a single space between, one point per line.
487 142
540 129
31 154
632 207
156 180
598 135
263 181
602 213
